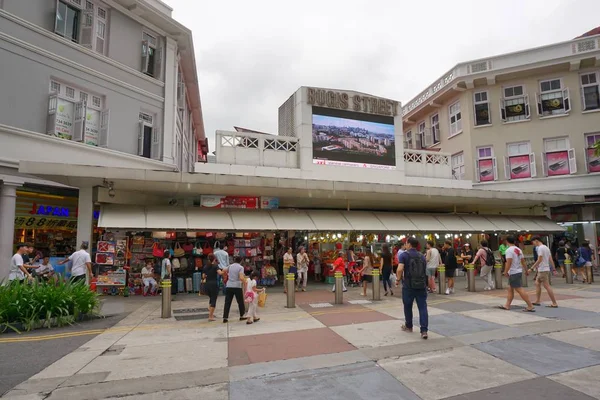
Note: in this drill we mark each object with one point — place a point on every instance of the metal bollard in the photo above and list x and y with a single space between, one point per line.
498 275
376 285
471 277
442 279
339 286
524 281
291 291
589 274
569 271
166 299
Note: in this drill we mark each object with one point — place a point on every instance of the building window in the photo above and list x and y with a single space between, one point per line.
520 162
458 166
552 99
54 87
408 140
151 56
435 128
149 137
420 136
485 165
592 161
83 96
558 158
482 109
67 21
514 106
590 91
70 92
455 119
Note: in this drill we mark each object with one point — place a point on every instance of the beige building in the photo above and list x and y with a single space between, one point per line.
523 121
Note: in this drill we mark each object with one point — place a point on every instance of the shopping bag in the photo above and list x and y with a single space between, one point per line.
262 299
393 279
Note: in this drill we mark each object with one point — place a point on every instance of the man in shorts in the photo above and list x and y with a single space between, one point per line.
514 269
451 265
542 265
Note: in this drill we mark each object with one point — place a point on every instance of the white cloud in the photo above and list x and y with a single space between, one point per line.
252 56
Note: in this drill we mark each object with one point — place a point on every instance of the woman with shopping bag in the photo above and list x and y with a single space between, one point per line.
251 297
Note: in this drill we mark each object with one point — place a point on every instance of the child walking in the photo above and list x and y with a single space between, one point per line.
251 297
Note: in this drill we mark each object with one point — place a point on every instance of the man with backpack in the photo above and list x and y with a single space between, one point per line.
487 260
412 268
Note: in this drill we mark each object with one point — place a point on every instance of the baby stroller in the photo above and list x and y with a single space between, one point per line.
354 275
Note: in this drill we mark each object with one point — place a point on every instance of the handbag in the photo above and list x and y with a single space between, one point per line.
206 249
184 263
197 251
580 262
178 251
249 297
176 263
188 248
157 251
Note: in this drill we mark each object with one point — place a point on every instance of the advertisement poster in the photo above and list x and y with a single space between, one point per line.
269 203
64 119
41 222
486 170
558 163
92 127
519 167
353 139
244 202
593 161
106 247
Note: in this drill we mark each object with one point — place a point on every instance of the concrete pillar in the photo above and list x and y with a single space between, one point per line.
8 203
170 115
85 216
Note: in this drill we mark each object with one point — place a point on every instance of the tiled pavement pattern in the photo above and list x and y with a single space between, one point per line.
350 351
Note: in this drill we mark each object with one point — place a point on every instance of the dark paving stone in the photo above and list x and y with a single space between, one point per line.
190 310
541 355
459 306
533 389
357 381
285 345
564 313
456 324
190 317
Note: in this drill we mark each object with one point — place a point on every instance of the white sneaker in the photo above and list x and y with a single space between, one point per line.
448 291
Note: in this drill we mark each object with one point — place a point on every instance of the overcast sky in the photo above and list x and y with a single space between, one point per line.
252 55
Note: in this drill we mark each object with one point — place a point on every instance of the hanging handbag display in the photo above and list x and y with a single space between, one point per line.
178 251
197 251
157 250
176 263
184 263
206 249
188 248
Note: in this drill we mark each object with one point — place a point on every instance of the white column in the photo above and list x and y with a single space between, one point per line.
8 203
85 216
170 113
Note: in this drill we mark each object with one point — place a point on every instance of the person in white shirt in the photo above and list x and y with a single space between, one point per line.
542 265
302 263
148 279
82 263
18 271
45 269
433 262
515 264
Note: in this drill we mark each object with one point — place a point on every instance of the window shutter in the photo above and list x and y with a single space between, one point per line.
56 18
495 166
87 28
545 164
527 109
572 162
158 63
539 104
532 167
428 140
51 119
587 159
507 168
156 141
566 100
477 171
502 110
419 141
141 139
181 96
103 134
100 44
145 56
79 121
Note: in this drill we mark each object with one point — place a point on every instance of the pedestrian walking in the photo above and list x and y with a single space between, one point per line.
316 259
288 266
502 249
561 257
222 257
251 297
586 255
385 268
434 260
451 265
367 270
302 262
81 263
211 273
514 269
412 267
485 256
18 272
234 288
542 266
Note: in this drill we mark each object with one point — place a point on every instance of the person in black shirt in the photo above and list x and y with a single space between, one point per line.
211 271
451 265
386 269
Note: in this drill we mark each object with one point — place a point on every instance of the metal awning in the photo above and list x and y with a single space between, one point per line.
454 223
166 218
502 223
526 224
548 225
478 223
292 220
425 222
326 220
251 221
364 221
207 219
118 216
395 222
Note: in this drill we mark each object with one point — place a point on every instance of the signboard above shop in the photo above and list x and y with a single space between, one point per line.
352 102
239 202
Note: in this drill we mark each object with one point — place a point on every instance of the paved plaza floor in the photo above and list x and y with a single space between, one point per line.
351 351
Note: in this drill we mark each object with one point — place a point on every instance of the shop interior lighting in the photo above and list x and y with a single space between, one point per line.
339 235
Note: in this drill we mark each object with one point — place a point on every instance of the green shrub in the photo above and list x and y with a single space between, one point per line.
45 304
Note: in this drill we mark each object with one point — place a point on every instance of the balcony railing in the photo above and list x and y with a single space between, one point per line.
256 149
427 164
